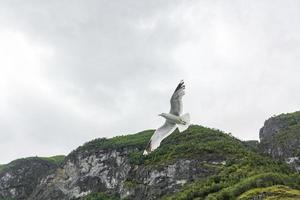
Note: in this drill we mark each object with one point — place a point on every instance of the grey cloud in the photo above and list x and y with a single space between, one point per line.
113 65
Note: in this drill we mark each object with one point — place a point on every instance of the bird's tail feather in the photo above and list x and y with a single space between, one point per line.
186 119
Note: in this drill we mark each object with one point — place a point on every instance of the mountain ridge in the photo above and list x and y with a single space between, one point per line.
200 163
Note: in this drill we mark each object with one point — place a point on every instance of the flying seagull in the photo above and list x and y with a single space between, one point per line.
173 119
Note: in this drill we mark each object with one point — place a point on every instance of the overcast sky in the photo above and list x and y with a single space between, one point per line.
75 70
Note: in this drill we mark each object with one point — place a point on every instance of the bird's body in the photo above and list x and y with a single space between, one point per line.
173 119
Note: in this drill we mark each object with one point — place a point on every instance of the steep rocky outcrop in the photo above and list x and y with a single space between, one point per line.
280 138
110 171
83 172
19 178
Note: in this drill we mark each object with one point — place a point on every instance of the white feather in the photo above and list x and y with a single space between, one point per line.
172 119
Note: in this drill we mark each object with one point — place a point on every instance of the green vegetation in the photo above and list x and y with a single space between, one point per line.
244 169
12 163
276 192
196 142
260 180
239 176
289 119
129 183
54 159
138 141
288 134
252 145
291 128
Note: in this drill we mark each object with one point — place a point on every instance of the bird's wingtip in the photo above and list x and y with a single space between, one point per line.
180 85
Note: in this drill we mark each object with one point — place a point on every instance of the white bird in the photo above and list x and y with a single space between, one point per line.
173 119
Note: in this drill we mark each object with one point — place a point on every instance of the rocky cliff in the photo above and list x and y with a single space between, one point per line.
19 178
200 163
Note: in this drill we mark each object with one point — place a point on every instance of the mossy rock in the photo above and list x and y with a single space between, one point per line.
276 192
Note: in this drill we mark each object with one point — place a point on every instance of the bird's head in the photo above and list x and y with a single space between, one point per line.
162 114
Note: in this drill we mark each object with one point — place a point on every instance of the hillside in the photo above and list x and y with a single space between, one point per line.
200 163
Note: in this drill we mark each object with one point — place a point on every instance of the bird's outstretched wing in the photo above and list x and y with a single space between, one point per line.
160 133
176 99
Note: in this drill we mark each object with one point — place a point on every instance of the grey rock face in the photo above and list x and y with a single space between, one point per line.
22 176
267 135
111 171
275 124
82 174
152 183
280 138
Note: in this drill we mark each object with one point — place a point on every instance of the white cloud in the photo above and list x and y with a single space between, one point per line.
70 72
